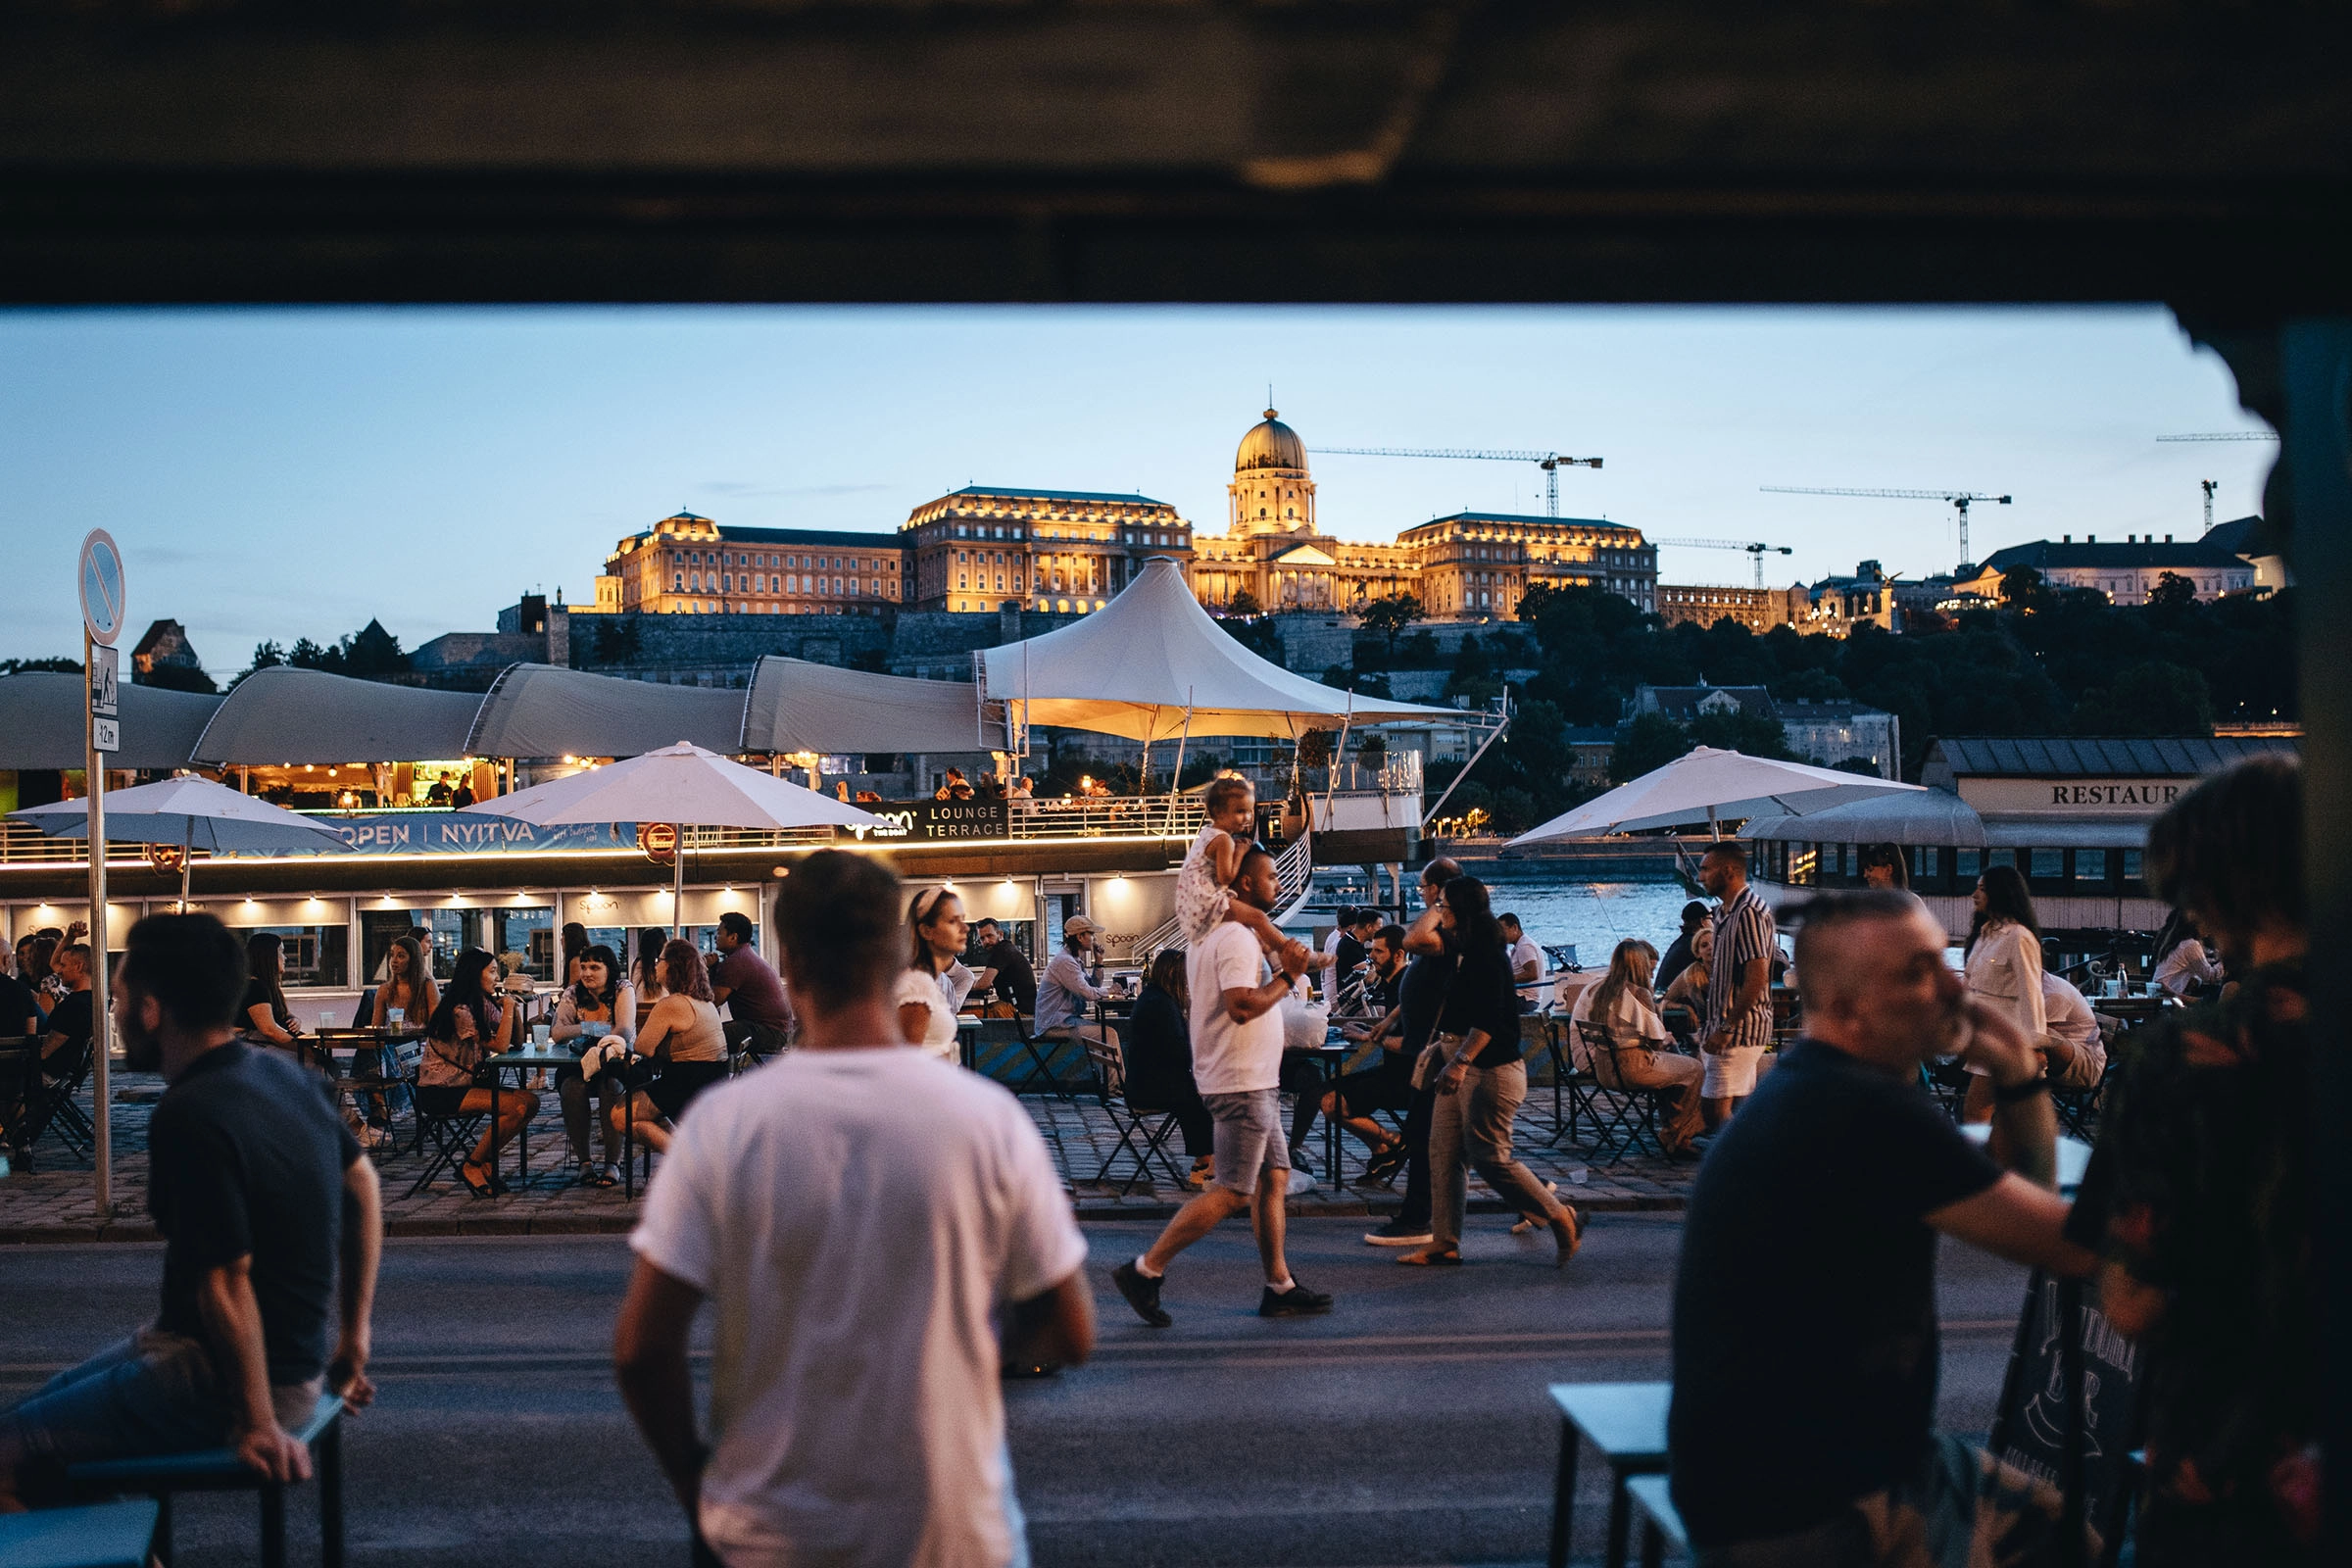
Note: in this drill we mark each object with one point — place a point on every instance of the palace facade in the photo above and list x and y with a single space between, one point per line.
688 564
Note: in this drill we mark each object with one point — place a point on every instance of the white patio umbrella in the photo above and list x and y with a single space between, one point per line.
1707 785
682 785
189 812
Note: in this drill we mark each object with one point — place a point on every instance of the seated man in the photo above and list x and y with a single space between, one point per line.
1348 945
1388 1084
1805 1333
751 989
1526 963
262 1199
2076 1055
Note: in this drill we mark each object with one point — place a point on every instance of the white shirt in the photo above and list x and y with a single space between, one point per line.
2070 1016
936 992
1330 977
1627 1021
1228 1058
2004 972
2184 967
855 1217
1524 951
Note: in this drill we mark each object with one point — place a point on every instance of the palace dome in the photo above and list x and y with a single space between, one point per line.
1270 445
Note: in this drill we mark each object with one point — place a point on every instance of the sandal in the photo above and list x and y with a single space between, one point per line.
480 1188
1431 1258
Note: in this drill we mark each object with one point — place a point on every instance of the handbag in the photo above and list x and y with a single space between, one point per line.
1433 1060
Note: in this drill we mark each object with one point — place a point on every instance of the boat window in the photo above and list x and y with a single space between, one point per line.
1966 866
1923 862
2048 865
2130 865
2090 865
1994 857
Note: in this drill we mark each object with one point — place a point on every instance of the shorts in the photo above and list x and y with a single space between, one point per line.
442 1100
680 1082
1249 1138
1729 1074
1381 1088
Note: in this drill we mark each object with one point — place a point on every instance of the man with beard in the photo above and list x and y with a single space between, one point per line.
1805 1352
259 1192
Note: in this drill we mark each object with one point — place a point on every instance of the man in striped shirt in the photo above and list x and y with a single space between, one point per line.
1739 1023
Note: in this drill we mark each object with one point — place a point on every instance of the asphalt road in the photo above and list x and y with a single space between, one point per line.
1410 1426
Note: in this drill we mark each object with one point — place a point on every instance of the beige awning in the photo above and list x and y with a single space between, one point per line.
544 710
284 715
798 707
41 722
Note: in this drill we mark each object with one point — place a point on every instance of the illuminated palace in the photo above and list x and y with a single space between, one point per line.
1070 551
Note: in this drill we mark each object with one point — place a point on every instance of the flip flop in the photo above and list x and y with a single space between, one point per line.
1430 1260
480 1188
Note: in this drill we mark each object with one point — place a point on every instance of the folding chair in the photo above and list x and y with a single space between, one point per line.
452 1136
50 1108
1631 1113
1041 1061
1575 1085
1129 1121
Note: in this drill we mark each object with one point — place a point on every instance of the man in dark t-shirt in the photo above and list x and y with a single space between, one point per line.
1007 969
762 1017
19 1009
1805 1350
264 1203
1421 995
67 1041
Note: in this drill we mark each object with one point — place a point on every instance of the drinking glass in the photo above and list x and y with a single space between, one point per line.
539 1035
394 1018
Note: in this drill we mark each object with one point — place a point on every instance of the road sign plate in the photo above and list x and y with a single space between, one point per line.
100 578
105 665
105 734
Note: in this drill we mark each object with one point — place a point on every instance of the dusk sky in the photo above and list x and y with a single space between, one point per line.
290 473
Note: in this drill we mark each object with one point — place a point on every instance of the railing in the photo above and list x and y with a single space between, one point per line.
1293 870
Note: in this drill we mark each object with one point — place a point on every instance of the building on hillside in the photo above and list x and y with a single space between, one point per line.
2126 572
1477 565
1841 603
1050 550
2251 541
1591 746
1759 609
1831 733
688 564
1828 733
166 644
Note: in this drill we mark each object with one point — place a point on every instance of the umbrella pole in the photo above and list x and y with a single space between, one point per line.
677 883
186 864
1176 779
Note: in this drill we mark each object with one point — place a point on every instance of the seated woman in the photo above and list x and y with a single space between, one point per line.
683 1034
1622 1006
597 996
645 976
936 980
473 1021
1689 992
1159 1061
407 989
267 1019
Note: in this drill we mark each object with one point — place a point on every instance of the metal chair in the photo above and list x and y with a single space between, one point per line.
48 1106
452 1136
161 1476
1633 1113
1129 1121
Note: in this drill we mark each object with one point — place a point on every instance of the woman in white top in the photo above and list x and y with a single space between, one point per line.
598 1004
2185 965
683 1031
936 981
1621 1004
2003 968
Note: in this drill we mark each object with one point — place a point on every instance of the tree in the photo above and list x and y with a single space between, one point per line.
2154 697
1742 731
307 655
2024 590
1388 616
2173 591
1261 636
1473 675
1244 605
265 656
1650 741
26 666
179 678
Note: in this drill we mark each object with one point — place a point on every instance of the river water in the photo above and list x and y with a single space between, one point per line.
1595 916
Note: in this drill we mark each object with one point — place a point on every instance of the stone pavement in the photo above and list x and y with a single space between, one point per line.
52 1202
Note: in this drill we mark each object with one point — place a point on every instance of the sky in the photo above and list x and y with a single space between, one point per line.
285 473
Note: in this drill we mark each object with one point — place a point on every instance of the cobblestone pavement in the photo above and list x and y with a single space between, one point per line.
54 1200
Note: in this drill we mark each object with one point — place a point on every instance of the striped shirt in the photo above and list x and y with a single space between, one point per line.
1744 931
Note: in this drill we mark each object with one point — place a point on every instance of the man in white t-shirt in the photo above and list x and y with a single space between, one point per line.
859 1214
1237 1062
1526 963
2073 1049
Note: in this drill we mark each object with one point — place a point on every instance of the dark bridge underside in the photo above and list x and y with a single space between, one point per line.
1624 149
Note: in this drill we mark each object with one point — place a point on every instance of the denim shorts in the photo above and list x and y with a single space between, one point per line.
154 1392
1249 1138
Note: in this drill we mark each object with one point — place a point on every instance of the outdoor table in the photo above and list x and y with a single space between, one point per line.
968 1041
1627 1423
2131 1011
1332 1059
16 1069
524 1058
1661 1523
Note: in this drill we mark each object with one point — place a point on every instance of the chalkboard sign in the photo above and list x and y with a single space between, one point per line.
2030 1429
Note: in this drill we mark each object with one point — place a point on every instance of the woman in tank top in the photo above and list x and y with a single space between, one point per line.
682 1033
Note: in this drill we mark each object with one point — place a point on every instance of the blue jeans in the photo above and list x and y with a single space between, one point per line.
154 1392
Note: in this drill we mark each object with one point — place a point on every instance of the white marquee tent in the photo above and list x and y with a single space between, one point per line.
1151 666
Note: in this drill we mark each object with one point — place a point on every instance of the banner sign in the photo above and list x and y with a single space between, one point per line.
456 833
934 822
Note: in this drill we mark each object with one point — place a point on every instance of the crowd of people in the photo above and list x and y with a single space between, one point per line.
855 1343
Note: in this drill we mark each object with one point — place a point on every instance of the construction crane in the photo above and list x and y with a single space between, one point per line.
1959 499
1759 551
2209 486
2223 435
1552 463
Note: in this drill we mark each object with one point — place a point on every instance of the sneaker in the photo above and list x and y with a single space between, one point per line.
1396 1233
373 1137
1296 1301
1142 1294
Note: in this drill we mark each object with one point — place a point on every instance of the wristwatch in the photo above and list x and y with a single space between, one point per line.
2015 1094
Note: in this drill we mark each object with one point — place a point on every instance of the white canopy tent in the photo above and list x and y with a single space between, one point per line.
545 711
1152 665
1708 785
794 705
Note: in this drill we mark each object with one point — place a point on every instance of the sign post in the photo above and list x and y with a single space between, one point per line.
99 578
